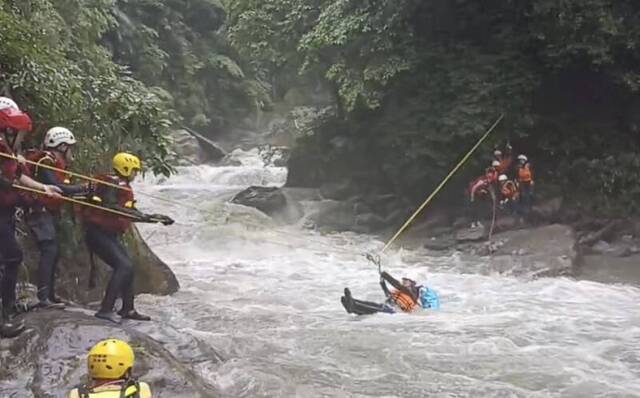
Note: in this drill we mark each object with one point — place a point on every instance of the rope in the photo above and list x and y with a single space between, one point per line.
78 202
97 181
493 216
442 184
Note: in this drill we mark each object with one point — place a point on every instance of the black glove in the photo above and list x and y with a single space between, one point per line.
161 218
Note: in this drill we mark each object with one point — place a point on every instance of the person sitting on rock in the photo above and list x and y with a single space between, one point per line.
509 193
109 367
104 230
406 297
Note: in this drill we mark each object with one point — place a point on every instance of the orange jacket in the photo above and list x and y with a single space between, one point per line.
404 301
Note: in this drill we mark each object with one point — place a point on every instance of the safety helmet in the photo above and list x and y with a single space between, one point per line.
502 178
495 163
110 359
522 158
124 163
11 117
8 103
497 153
58 135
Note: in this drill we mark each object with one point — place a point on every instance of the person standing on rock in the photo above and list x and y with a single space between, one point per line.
43 213
482 187
13 125
104 230
525 183
110 366
508 193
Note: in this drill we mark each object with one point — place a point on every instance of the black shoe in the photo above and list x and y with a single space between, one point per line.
107 316
135 315
49 305
347 301
10 330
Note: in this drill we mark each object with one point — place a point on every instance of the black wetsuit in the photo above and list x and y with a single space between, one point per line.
362 307
44 227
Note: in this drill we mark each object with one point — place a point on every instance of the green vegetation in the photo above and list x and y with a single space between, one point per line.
417 81
120 73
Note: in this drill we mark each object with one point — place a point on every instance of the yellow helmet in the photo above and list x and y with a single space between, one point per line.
124 163
110 359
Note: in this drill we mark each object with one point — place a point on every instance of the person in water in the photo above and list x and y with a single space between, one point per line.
104 230
407 296
43 214
13 125
110 366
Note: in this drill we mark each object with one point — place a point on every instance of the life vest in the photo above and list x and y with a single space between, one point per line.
11 170
107 220
524 173
50 159
505 164
130 389
509 190
403 300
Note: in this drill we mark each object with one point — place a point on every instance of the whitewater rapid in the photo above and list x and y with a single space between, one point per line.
266 298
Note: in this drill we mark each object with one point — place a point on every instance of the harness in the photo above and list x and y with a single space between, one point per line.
85 392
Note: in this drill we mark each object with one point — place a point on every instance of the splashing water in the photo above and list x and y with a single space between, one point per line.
267 299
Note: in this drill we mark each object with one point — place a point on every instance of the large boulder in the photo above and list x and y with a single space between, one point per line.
152 275
193 148
50 359
545 251
268 200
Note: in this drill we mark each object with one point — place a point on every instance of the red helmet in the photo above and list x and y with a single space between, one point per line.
11 118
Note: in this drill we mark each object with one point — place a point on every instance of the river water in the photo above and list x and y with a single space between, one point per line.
266 298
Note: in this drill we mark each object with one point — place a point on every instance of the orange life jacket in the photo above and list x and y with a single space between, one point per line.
509 190
524 173
403 300
50 159
505 164
109 221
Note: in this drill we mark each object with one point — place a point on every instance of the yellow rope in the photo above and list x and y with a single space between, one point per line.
442 184
78 202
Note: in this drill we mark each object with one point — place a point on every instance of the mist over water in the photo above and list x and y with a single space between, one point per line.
266 298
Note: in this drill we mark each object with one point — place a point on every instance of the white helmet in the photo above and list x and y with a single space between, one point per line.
522 158
502 178
8 103
497 153
58 135
495 163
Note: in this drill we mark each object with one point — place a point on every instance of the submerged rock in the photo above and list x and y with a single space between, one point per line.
50 358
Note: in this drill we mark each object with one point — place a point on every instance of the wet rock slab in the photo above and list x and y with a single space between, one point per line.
50 358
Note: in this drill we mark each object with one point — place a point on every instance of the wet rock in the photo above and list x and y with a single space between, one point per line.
471 234
152 275
442 243
194 148
268 200
50 358
186 147
272 155
333 216
548 210
342 190
611 269
545 251
368 222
